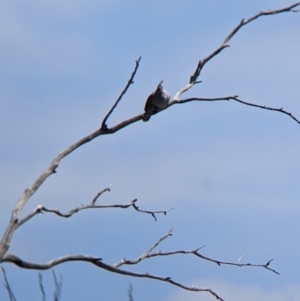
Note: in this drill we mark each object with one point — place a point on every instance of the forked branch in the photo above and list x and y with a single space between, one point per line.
98 262
42 209
148 254
51 169
201 63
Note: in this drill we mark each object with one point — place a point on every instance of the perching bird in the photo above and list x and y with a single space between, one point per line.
156 101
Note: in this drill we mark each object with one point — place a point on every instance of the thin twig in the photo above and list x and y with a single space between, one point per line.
100 193
7 286
218 262
149 212
58 286
130 81
242 257
181 101
237 99
42 287
281 110
130 290
146 254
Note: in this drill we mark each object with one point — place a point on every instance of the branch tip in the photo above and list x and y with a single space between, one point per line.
104 127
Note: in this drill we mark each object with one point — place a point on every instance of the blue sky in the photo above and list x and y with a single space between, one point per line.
230 172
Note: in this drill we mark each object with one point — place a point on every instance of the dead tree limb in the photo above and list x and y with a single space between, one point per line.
201 63
7 286
42 209
130 81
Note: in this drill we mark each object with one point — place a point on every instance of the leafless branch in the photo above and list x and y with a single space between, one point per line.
130 289
130 81
100 193
41 209
181 101
237 99
50 264
149 212
7 286
242 257
58 287
14 222
260 14
195 252
281 110
97 261
146 254
114 268
201 63
218 262
42 287
51 169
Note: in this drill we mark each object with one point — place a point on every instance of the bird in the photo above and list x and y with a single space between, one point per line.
156 101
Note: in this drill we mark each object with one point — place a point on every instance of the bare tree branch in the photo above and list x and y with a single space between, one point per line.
58 286
195 252
201 63
130 81
146 254
130 290
50 264
42 287
260 14
100 193
14 222
7 286
149 212
113 268
235 98
97 261
41 209
281 110
181 101
218 262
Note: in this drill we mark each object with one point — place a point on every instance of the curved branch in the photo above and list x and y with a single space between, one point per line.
281 110
260 14
146 254
100 193
7 286
97 262
41 209
237 99
201 63
51 169
218 262
195 252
